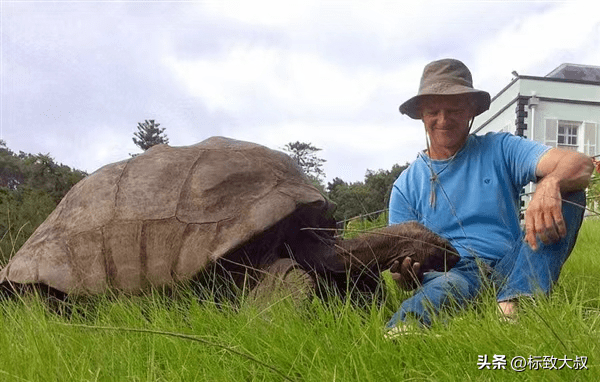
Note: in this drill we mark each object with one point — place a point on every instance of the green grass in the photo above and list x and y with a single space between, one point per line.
160 338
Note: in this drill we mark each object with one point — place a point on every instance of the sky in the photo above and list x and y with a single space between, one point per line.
78 76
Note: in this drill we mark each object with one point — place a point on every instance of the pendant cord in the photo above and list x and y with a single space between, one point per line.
434 176
435 179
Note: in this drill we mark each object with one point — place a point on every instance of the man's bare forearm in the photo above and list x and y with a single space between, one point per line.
571 171
560 171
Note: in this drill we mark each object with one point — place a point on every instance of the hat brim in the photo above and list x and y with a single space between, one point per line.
482 101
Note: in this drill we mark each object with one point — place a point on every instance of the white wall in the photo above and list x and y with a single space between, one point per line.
505 118
546 110
536 120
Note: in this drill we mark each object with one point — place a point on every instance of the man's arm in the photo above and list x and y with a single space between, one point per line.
560 171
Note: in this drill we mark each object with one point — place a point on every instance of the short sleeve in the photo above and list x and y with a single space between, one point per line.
521 158
400 209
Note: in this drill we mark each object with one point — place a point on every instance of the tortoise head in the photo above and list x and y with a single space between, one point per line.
434 252
440 256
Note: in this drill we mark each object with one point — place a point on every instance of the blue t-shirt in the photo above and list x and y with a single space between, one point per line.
476 193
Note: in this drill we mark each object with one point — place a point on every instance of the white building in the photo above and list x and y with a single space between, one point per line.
561 109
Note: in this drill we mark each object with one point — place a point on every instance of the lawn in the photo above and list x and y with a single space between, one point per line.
181 338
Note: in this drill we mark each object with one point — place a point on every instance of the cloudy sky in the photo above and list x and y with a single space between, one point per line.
78 76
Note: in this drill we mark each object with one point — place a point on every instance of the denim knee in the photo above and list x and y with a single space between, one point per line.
525 272
450 289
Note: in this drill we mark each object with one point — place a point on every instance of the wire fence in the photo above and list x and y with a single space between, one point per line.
593 203
343 224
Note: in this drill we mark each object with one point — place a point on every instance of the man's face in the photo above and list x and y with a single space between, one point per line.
446 119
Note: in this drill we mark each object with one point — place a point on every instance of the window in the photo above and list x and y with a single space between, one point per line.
572 135
567 134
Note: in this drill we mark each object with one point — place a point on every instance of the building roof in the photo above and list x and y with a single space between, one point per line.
576 72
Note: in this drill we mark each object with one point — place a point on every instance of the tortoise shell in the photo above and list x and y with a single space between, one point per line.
165 215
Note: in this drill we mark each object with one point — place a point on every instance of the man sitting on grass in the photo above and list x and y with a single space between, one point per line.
466 189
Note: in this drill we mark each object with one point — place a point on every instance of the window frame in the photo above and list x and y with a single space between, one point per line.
569 134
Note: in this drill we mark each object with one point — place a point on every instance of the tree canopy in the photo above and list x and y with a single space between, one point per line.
305 155
30 188
361 198
149 134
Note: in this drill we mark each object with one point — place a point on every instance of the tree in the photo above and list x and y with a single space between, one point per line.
30 188
334 184
11 168
361 198
304 155
380 184
149 135
351 200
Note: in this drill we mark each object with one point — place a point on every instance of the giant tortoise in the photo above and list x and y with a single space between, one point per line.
171 213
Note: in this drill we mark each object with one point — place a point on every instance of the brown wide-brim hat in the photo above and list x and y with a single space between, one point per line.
446 77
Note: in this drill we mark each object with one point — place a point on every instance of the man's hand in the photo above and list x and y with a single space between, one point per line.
543 218
560 170
407 274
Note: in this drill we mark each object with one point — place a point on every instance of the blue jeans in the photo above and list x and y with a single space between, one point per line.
522 272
